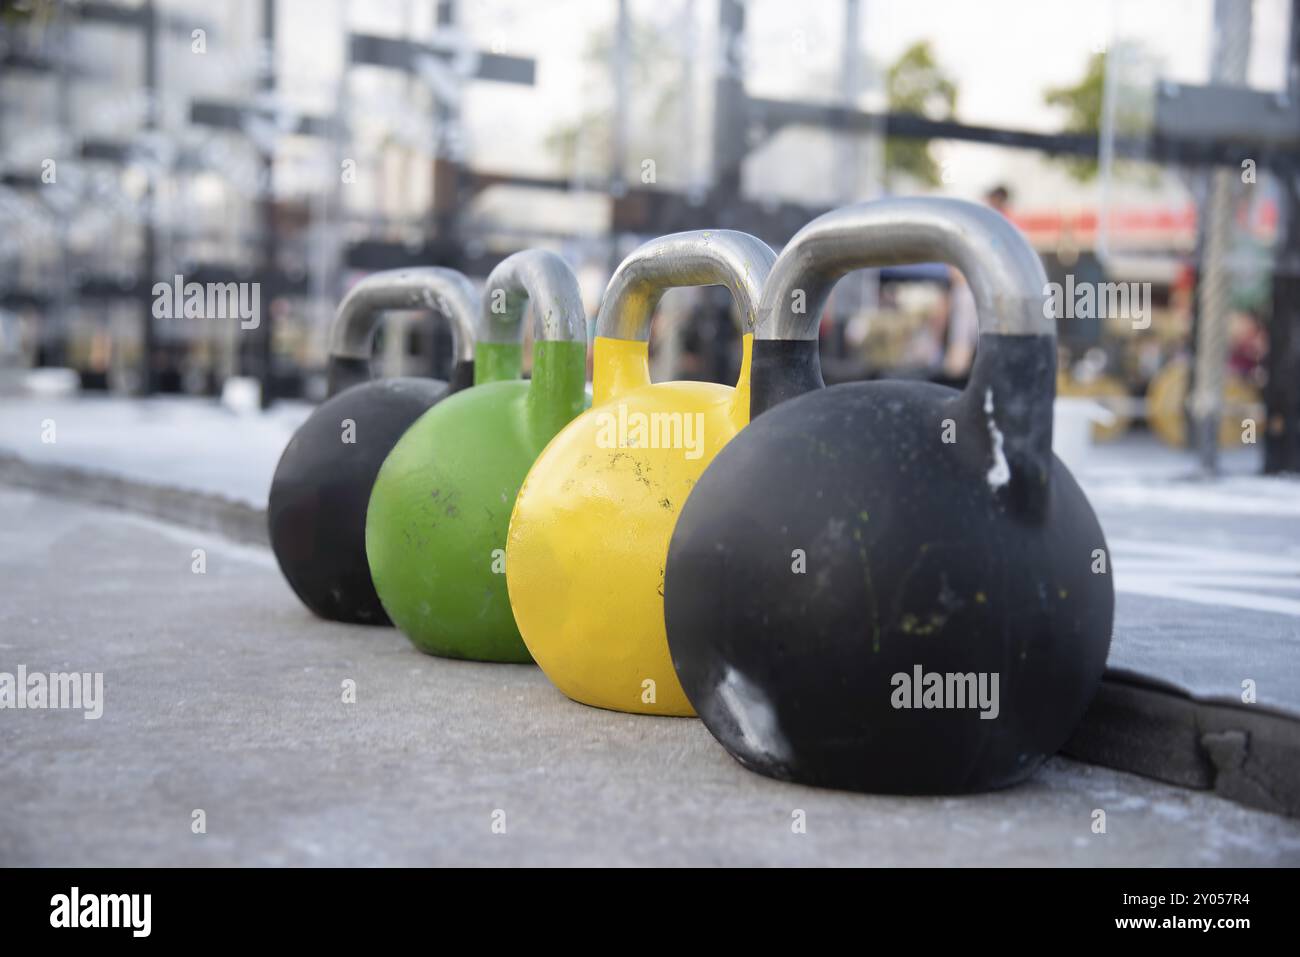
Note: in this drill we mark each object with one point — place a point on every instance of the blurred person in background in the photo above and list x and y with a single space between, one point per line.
1248 347
999 198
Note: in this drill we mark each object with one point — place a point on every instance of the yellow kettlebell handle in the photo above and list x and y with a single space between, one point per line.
715 257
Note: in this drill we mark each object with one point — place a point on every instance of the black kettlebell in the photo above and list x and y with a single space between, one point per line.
893 586
317 507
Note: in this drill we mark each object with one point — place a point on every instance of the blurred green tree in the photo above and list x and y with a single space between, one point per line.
656 84
18 12
1082 103
915 83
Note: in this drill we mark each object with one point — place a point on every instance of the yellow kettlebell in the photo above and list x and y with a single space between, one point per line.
589 534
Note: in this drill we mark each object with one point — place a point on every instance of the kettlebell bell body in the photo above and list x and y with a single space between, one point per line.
436 527
893 586
590 528
316 510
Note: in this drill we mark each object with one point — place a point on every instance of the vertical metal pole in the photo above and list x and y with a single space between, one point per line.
730 119
263 338
326 278
855 293
448 168
1281 428
850 85
449 183
1106 138
620 57
54 337
877 18
666 359
730 130
1232 31
690 141
622 54
148 265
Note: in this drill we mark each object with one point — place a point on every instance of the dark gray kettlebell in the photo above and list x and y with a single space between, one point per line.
893 586
317 508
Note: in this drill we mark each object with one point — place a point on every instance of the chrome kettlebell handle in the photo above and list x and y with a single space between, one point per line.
1013 380
705 257
445 292
544 278
1002 269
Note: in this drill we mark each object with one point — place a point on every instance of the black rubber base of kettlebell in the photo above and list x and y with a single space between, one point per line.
838 544
317 508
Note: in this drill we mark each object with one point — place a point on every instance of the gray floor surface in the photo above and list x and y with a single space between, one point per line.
222 694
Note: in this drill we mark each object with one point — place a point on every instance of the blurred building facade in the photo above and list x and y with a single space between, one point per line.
297 145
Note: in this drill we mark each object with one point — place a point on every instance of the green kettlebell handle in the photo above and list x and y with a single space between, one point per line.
535 275
557 390
1013 379
445 292
702 257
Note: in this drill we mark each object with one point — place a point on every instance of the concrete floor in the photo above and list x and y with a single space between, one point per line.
223 694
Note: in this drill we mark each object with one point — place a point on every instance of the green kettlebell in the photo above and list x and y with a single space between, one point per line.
439 510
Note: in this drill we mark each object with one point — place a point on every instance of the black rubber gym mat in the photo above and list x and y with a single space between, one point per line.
1203 681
